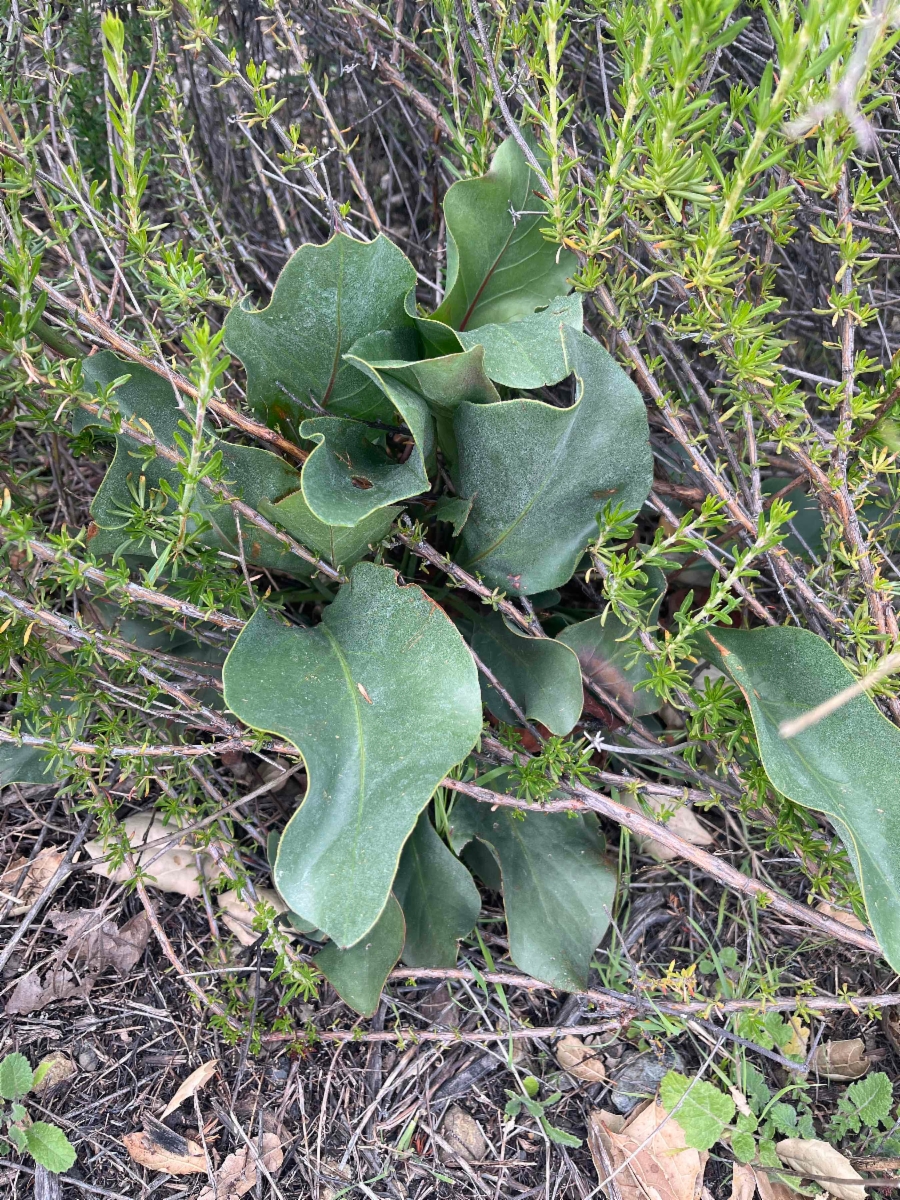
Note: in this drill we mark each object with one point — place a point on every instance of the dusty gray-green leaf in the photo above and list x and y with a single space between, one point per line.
439 900
558 886
326 298
454 511
538 475
381 699
435 386
358 973
49 1146
528 353
844 767
251 474
541 675
348 477
499 266
339 545
30 764
16 1076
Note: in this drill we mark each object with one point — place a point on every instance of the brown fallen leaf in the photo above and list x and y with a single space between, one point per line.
38 873
818 1161
173 869
682 821
842 1060
162 1149
840 914
52 1070
99 943
743 1182
664 1168
238 915
771 1188
192 1084
463 1133
581 1061
237 1174
32 994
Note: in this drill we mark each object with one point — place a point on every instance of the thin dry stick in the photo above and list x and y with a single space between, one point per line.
789 729
582 798
97 325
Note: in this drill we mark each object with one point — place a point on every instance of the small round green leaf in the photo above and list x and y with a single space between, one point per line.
49 1146
16 1076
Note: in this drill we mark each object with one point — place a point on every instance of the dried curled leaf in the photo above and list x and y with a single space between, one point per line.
682 822
37 873
820 1162
238 915
31 993
238 1173
581 1061
192 1084
52 1070
840 914
664 1168
842 1060
172 868
463 1134
162 1149
743 1182
99 943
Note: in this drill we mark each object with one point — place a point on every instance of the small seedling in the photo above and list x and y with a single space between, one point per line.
537 1108
46 1143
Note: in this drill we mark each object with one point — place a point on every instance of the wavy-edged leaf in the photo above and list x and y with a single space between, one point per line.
16 1076
558 885
538 475
31 764
541 675
49 1146
381 699
358 974
440 902
528 353
348 477
499 266
844 767
253 475
325 299
339 545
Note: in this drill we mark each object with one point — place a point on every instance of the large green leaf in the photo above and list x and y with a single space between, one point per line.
49 1146
538 475
30 764
435 386
528 353
349 477
439 900
253 475
358 973
844 767
381 699
338 545
499 266
325 299
558 885
541 675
